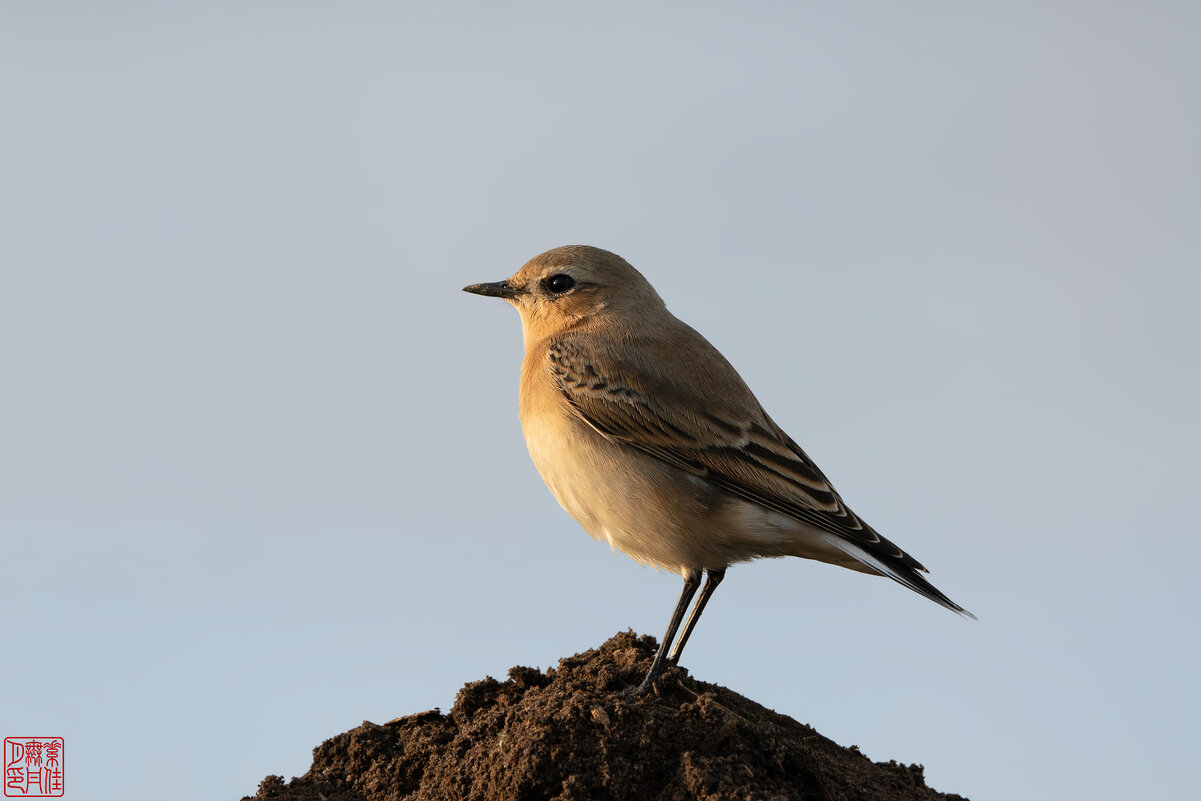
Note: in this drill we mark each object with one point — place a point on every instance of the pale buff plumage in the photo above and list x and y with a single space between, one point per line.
651 440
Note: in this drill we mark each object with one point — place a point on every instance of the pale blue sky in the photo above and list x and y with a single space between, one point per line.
261 474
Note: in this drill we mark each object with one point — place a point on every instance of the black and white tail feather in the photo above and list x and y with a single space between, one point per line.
900 573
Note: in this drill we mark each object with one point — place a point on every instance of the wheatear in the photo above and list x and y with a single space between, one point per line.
651 440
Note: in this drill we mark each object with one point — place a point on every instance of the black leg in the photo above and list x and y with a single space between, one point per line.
712 579
692 580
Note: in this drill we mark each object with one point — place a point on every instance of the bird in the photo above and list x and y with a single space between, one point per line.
652 441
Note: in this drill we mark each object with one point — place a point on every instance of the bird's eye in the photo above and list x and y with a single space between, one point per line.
560 283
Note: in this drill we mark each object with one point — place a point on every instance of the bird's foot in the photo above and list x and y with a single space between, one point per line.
639 690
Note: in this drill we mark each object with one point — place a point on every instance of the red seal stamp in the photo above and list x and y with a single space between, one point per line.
33 767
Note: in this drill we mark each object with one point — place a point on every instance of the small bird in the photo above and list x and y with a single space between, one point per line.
651 440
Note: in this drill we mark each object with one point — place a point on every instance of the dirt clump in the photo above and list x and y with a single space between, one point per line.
569 734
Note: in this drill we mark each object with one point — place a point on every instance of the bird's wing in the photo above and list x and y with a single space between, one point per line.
708 423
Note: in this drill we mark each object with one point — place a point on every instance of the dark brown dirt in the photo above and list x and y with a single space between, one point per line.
568 734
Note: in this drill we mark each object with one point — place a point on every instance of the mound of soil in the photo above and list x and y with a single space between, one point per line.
568 734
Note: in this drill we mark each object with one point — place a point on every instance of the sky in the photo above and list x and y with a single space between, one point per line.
261 472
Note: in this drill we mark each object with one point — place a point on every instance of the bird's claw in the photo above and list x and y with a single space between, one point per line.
639 690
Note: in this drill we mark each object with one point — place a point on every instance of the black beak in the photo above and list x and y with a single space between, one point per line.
497 289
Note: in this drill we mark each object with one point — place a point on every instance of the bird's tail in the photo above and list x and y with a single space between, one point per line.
898 572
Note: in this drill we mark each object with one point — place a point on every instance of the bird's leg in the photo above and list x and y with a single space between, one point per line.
712 579
692 580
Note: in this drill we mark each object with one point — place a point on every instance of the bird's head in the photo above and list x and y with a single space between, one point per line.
574 286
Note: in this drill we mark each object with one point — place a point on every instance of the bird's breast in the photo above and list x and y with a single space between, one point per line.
619 495
650 510
610 495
